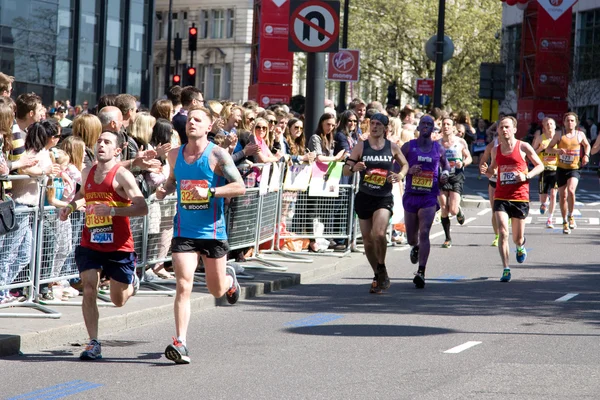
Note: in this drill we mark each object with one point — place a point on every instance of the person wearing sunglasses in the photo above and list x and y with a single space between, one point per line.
260 136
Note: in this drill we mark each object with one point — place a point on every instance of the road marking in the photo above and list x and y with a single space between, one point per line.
566 297
594 221
469 220
462 347
313 320
593 204
578 203
484 195
433 236
576 213
58 391
596 196
448 278
528 220
485 211
583 191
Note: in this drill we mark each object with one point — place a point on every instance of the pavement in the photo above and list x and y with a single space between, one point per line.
38 330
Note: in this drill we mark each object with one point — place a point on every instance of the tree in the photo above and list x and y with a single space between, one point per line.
391 35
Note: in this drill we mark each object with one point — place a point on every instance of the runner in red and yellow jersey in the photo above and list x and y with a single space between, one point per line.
570 160
110 195
511 199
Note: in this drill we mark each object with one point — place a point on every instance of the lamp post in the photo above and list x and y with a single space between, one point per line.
342 95
439 56
168 64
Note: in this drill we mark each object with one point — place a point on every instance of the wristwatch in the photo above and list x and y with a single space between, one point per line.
113 212
212 191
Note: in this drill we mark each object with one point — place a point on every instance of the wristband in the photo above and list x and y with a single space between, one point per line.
71 206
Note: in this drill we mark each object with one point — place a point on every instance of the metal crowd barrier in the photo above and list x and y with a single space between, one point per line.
253 221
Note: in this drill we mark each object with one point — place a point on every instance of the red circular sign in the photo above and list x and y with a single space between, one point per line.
327 12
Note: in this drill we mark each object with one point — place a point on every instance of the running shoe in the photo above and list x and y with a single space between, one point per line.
233 294
521 254
549 224
460 217
93 351
375 288
177 352
414 255
572 224
495 241
505 275
135 283
419 279
566 229
447 244
383 280
543 208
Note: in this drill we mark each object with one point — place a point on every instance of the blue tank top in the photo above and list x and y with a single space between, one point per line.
426 182
195 218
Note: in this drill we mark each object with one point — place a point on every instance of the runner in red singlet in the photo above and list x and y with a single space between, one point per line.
511 199
110 196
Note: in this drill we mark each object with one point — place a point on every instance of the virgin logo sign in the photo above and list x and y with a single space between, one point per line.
556 8
343 66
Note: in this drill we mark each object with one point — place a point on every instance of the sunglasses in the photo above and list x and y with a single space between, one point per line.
262 128
251 119
272 122
353 121
299 127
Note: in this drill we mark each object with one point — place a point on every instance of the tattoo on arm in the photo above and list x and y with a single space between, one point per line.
228 168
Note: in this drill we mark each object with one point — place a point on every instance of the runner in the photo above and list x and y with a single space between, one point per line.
511 199
374 201
569 162
203 174
483 167
547 182
458 156
110 196
424 158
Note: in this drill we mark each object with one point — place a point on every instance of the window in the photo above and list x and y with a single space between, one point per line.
201 77
175 27
218 24
230 23
512 52
159 26
204 20
226 82
216 82
588 45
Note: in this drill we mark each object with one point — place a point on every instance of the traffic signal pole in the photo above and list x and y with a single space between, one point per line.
168 63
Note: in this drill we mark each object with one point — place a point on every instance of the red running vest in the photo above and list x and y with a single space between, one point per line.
509 166
105 234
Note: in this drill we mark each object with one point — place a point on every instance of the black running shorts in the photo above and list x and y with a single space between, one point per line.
514 209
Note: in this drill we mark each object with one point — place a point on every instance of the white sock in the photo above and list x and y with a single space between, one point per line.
181 340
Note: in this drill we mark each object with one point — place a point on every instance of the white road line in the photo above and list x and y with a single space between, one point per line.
576 213
528 220
462 347
430 237
484 195
485 211
583 191
566 297
593 204
596 196
469 220
534 211
579 204
594 221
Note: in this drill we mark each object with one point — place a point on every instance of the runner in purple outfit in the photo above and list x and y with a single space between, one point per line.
424 158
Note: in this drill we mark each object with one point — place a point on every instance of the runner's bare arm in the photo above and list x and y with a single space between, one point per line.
537 142
550 149
467 159
596 147
400 159
538 166
443 160
492 168
226 168
171 184
354 158
486 156
586 149
126 183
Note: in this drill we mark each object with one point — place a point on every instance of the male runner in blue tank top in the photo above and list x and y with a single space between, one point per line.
373 204
424 158
203 174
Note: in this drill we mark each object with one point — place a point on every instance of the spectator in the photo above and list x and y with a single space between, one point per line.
346 137
162 108
6 84
322 141
593 130
174 94
128 106
295 142
260 138
61 116
89 127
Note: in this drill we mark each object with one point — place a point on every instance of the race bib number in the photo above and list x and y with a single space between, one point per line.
423 180
100 227
376 176
548 158
189 197
508 174
479 145
569 157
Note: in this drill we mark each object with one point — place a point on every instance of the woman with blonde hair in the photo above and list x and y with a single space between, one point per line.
88 127
141 129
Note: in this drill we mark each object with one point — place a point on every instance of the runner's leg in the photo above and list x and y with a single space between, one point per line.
184 265
411 223
381 219
571 188
562 196
217 280
90 279
366 227
503 248
426 216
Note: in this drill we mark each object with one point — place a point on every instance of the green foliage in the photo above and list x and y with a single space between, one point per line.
391 35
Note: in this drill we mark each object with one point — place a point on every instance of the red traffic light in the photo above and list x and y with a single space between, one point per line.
176 79
191 71
193 31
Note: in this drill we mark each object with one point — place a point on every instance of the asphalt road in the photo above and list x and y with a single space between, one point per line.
465 336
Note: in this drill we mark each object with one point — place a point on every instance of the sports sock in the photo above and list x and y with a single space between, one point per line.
181 340
421 270
446 226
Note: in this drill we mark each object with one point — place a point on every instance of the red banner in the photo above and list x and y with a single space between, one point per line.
266 94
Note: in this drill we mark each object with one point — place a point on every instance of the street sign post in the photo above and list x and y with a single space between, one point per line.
425 86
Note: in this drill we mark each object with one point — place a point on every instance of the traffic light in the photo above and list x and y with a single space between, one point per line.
176 79
191 76
192 38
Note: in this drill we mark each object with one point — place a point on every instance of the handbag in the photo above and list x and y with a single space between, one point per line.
8 220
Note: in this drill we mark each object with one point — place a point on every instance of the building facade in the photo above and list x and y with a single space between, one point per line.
584 80
77 49
222 59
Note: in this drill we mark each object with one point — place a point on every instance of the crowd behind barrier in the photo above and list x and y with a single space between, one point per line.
266 218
